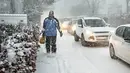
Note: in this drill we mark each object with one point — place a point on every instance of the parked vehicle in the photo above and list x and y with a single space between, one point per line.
92 30
64 25
119 45
72 26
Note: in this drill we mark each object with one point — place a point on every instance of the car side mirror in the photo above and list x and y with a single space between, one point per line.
127 40
80 24
80 21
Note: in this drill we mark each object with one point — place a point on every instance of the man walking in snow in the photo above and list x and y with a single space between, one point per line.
50 26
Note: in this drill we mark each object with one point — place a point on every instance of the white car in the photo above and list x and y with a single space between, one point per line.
72 27
119 45
92 30
64 25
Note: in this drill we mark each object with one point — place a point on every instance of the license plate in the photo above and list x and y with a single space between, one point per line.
102 38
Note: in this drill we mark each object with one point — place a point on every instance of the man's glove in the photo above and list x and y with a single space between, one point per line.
42 31
61 34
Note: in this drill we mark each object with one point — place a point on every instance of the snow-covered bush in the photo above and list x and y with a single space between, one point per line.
21 46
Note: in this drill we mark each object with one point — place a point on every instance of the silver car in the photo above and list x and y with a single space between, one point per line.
119 44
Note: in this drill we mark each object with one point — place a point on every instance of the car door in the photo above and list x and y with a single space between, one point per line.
126 44
69 26
118 39
79 27
74 23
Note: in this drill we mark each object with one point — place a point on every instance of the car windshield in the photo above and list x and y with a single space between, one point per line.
95 23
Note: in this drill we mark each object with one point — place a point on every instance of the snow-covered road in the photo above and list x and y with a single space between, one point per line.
72 57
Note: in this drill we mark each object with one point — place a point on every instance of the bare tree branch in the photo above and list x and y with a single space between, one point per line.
90 7
35 8
88 2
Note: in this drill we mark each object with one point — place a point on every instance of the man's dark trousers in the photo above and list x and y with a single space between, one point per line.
51 44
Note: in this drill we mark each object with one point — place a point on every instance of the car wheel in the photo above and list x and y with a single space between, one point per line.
76 38
68 31
83 42
112 52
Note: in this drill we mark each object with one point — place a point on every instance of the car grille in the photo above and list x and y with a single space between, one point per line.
102 32
103 37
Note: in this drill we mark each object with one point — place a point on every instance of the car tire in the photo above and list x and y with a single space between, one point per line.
83 42
68 31
91 44
112 52
76 38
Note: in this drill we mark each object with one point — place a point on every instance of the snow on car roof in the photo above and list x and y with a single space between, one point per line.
128 25
91 18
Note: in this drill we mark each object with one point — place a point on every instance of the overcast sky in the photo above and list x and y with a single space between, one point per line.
62 7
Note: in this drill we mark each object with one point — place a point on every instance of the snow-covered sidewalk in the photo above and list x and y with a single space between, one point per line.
67 60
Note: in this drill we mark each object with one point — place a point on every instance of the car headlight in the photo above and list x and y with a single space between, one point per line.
64 25
91 35
91 38
73 27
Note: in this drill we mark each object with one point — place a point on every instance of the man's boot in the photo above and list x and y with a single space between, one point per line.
54 50
48 50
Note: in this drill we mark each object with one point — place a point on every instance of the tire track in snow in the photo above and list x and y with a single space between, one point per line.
92 67
88 59
63 65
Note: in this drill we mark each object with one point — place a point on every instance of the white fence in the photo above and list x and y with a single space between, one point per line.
13 18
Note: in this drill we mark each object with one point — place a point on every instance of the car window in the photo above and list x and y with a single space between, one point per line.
127 32
79 21
119 31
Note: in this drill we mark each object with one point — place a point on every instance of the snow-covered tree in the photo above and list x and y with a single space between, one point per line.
115 9
35 8
87 7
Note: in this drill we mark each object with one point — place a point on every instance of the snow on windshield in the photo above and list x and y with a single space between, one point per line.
95 23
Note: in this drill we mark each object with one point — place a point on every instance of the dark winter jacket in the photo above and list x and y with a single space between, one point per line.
50 25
